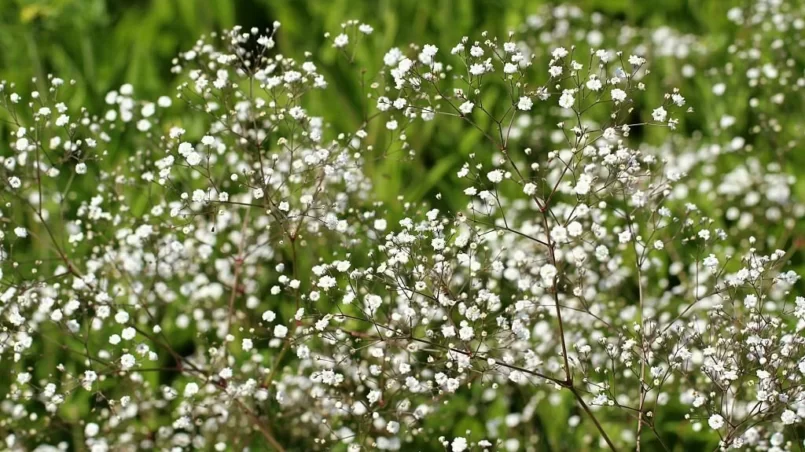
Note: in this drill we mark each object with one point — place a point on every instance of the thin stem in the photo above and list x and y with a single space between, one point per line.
590 413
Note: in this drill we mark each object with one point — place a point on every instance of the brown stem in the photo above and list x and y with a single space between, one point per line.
260 426
590 413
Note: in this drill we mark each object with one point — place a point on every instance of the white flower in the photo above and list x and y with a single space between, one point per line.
191 389
559 234
559 52
128 333
574 229
477 69
269 316
430 50
716 421
280 331
547 273
373 302
88 379
618 95
127 361
466 108
525 104
91 429
193 158
392 57
635 60
659 114
459 445
567 99
788 417
594 84
380 224
583 184
466 333
341 40
122 317
185 148
495 176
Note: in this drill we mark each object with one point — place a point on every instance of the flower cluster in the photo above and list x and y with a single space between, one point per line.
213 269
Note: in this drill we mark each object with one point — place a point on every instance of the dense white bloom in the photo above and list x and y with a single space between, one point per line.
559 52
127 361
191 389
547 272
193 158
290 271
659 114
567 99
459 444
280 331
341 40
466 108
715 421
495 176
583 185
269 316
477 69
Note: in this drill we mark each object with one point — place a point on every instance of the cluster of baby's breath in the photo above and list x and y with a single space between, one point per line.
212 270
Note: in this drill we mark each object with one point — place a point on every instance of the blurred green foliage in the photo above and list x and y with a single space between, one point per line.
103 44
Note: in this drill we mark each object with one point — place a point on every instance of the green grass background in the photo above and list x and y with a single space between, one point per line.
104 43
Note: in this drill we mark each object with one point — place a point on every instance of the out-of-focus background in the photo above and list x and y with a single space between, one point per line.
103 44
